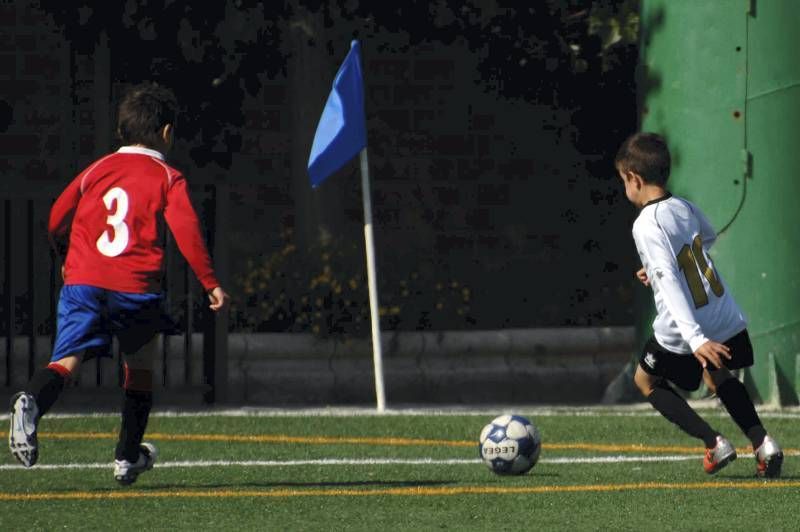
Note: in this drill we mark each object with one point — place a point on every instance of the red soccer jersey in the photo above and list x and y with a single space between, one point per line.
114 213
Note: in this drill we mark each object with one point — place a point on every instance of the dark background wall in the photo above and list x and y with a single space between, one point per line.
491 136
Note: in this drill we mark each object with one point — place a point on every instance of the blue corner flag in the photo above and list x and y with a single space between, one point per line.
342 130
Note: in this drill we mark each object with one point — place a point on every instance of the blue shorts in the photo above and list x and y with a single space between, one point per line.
88 316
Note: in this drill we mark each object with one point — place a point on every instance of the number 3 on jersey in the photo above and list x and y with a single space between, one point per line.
113 245
692 261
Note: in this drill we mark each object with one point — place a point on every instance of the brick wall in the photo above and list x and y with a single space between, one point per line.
469 187
33 67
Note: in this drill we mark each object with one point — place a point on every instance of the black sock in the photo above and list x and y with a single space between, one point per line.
737 402
675 408
135 411
45 386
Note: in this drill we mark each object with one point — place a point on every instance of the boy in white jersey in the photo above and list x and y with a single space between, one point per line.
699 330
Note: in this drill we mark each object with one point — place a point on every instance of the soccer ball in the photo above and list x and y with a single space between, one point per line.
510 445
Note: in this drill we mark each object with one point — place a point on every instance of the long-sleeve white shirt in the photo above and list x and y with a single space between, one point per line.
693 304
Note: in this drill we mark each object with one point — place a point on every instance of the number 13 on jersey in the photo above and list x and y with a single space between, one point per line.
115 243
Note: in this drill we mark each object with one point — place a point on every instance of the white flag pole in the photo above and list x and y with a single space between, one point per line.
377 355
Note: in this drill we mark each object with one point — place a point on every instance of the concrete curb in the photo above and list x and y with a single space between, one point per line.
558 365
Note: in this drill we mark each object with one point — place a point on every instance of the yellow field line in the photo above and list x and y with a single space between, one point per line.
338 440
408 491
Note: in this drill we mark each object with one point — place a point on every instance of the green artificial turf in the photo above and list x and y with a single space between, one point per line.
658 495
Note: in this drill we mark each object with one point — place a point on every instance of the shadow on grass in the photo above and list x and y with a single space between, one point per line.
349 484
754 477
537 474
225 485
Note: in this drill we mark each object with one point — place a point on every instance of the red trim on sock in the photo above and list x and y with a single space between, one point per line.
61 370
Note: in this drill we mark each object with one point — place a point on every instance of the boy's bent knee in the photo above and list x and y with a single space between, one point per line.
141 356
715 378
139 380
644 381
67 365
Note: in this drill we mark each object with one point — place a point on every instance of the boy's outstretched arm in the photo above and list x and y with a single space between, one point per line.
712 352
185 227
682 311
219 299
668 279
61 214
642 276
707 233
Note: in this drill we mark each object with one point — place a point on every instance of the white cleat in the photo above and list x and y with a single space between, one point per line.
22 440
769 459
126 472
719 456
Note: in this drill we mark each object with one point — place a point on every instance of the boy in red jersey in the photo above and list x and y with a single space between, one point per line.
111 221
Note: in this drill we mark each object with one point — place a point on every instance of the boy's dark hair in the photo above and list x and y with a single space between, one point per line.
645 154
143 112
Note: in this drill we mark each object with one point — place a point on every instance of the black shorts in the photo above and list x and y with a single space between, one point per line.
684 369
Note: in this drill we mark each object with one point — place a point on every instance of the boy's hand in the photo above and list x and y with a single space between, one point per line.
712 352
219 299
642 276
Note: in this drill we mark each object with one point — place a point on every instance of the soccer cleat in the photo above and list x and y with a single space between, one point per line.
22 440
769 459
126 472
719 456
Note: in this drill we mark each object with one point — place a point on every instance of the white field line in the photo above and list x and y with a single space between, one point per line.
359 462
565 460
709 408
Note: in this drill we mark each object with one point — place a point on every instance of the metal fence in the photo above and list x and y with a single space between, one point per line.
188 363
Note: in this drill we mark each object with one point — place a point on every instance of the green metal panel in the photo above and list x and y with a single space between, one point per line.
693 76
721 81
767 231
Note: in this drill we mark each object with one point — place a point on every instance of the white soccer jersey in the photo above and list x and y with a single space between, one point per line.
693 303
